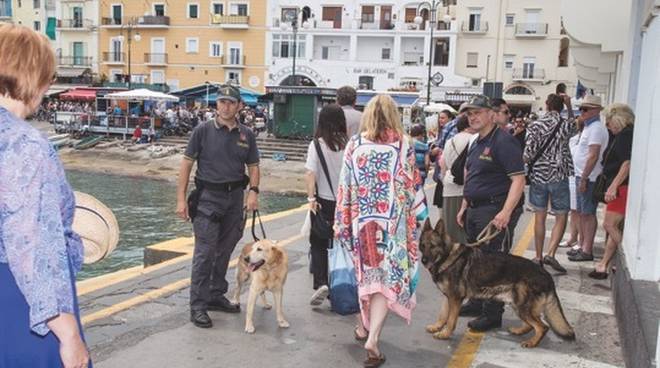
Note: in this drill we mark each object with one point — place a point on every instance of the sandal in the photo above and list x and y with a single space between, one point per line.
358 337
374 362
598 275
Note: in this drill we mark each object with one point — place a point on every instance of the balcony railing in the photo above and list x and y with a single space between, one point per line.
75 61
151 21
413 58
114 57
81 24
528 74
230 20
531 29
480 27
233 61
156 59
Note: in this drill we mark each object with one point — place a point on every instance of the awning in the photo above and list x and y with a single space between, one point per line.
56 90
401 100
79 95
248 99
70 72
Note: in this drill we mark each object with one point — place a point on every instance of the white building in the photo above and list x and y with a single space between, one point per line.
517 42
77 40
366 44
616 46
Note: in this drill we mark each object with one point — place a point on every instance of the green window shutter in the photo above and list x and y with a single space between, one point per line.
50 29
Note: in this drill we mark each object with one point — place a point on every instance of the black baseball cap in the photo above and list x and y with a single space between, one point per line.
228 92
477 102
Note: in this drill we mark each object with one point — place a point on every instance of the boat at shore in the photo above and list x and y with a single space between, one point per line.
88 142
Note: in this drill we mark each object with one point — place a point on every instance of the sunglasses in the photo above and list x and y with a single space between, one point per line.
585 109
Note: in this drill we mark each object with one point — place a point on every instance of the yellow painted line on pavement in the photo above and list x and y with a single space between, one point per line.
160 292
467 349
100 282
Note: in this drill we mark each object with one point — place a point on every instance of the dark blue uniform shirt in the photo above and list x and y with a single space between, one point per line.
491 162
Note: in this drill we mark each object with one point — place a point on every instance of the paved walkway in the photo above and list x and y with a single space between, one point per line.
143 322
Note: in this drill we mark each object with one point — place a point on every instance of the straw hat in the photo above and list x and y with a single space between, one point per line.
592 102
97 227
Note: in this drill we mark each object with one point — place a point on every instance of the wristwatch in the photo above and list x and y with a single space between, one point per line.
255 189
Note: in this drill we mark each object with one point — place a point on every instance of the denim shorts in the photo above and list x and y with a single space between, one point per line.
557 193
585 201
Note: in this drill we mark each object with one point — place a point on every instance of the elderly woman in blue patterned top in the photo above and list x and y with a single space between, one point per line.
39 252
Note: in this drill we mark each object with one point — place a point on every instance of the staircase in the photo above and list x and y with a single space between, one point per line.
295 150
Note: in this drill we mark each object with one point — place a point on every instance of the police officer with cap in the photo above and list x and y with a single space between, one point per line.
493 191
223 149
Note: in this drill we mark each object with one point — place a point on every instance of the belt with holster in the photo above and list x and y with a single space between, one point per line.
497 200
221 187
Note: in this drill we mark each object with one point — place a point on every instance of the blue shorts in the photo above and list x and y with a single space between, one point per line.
558 193
585 201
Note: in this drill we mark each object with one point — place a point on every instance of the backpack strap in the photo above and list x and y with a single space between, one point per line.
324 165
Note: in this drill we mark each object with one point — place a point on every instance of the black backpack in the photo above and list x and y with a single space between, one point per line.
458 167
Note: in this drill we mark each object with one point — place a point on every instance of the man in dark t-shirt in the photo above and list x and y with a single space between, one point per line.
223 149
494 184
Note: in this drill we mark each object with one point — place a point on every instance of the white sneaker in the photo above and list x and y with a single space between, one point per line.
319 295
566 244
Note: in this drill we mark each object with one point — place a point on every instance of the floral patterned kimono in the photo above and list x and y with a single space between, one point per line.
380 201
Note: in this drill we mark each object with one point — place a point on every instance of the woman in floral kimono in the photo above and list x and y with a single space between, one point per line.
380 203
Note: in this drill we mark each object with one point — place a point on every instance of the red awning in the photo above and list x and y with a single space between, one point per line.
79 95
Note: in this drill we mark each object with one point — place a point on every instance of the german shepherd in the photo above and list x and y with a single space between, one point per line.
464 272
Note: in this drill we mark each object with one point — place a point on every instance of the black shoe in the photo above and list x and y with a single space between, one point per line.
471 309
581 257
573 251
201 319
222 304
552 262
483 324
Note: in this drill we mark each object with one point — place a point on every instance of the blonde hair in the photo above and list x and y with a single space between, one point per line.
619 115
380 115
27 63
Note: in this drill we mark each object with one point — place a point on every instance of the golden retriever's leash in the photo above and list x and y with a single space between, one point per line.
255 217
487 234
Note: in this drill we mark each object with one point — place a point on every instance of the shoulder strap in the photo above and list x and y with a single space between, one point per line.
545 144
319 152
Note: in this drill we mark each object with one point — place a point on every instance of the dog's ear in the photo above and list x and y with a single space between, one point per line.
276 255
427 225
440 227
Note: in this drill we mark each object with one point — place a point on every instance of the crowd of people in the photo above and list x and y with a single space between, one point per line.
364 175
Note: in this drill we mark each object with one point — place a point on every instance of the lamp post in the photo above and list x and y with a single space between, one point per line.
433 9
132 23
207 94
291 20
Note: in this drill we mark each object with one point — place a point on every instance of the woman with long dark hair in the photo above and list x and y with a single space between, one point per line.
331 137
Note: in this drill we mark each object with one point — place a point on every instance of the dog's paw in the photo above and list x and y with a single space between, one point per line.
442 335
433 328
529 344
283 323
268 306
249 329
517 331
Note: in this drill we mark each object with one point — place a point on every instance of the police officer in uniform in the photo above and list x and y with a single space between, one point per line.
493 193
222 148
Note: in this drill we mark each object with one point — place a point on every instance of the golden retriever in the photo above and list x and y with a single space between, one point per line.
267 265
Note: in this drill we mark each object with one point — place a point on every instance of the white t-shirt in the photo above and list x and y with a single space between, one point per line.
593 133
333 160
453 148
353 119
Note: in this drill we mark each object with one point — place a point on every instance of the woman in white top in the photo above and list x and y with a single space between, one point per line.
332 138
452 192
572 186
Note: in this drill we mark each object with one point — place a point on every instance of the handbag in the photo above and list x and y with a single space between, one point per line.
530 164
602 182
321 226
458 167
343 282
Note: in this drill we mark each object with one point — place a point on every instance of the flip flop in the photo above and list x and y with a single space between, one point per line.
374 362
358 337
598 275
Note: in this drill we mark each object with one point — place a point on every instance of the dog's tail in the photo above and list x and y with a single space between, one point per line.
554 314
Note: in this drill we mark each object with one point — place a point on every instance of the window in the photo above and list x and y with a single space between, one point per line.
116 75
508 61
217 9
509 19
173 84
117 13
158 76
215 49
411 13
159 10
192 45
472 59
283 46
365 82
233 77
563 52
385 54
368 14
36 4
77 13
325 50
238 9
528 67
20 3
37 26
234 49
475 20
289 14
193 11
441 52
